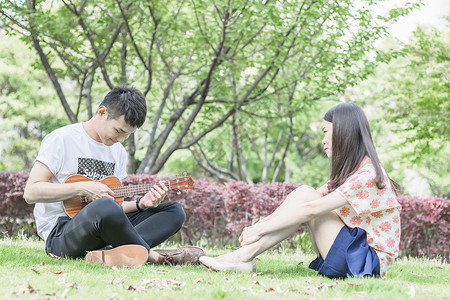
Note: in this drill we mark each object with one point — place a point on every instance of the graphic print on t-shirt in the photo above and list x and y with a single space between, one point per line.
95 169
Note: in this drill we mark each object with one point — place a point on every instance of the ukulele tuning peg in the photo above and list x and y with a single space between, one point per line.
178 192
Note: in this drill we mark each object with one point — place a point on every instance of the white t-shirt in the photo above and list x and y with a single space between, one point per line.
70 150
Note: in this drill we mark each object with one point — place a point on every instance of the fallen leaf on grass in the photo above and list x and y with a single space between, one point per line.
58 272
226 278
360 294
56 296
158 283
298 292
62 281
137 288
37 268
314 289
258 283
25 289
353 284
272 291
197 280
175 282
257 274
117 280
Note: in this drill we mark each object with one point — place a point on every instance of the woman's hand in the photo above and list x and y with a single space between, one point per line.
155 196
250 234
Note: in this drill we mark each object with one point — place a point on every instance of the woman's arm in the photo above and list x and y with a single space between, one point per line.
323 190
292 212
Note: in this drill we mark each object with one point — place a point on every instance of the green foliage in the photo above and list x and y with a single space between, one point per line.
408 103
28 108
419 96
202 63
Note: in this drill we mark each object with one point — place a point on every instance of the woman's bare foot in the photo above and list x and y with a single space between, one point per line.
227 263
233 258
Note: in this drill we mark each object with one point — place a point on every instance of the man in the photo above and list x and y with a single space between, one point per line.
94 149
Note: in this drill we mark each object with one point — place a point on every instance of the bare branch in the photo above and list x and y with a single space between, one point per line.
99 58
130 33
210 167
50 72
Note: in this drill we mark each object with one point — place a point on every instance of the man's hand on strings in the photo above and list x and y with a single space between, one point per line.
155 196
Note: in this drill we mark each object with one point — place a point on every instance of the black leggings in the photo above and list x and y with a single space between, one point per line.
103 223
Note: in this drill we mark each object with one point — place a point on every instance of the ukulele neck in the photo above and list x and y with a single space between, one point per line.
130 190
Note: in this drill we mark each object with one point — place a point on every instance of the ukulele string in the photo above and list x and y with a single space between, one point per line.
122 191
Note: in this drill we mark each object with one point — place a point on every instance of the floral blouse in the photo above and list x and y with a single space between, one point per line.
375 211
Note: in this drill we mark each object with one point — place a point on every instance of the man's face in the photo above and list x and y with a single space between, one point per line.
113 131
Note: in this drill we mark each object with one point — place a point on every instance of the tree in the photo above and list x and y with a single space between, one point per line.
418 99
200 62
412 95
25 98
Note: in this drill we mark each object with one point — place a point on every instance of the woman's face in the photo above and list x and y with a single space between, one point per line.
328 134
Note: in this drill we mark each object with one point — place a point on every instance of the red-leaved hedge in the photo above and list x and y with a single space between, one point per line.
216 212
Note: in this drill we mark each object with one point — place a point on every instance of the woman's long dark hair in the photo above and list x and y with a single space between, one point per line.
351 142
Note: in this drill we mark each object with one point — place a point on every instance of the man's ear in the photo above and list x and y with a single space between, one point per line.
102 111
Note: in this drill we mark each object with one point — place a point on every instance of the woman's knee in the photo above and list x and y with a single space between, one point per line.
304 193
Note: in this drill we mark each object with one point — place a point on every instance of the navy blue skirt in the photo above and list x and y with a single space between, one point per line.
349 256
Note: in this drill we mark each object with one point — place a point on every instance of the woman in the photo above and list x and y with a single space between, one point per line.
353 219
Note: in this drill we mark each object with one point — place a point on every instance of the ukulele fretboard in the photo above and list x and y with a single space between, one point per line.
128 191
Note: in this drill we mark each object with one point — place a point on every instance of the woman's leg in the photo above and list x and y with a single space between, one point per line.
248 252
324 230
293 202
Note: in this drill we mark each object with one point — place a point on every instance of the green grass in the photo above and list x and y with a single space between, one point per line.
25 268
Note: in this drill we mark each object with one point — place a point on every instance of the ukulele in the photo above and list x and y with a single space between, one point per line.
74 205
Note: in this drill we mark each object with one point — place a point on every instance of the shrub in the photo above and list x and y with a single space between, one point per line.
15 214
425 226
216 213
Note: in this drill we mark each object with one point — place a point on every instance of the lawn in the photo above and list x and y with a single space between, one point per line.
27 272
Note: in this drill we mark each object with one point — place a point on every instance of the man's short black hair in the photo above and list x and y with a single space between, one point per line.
127 101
